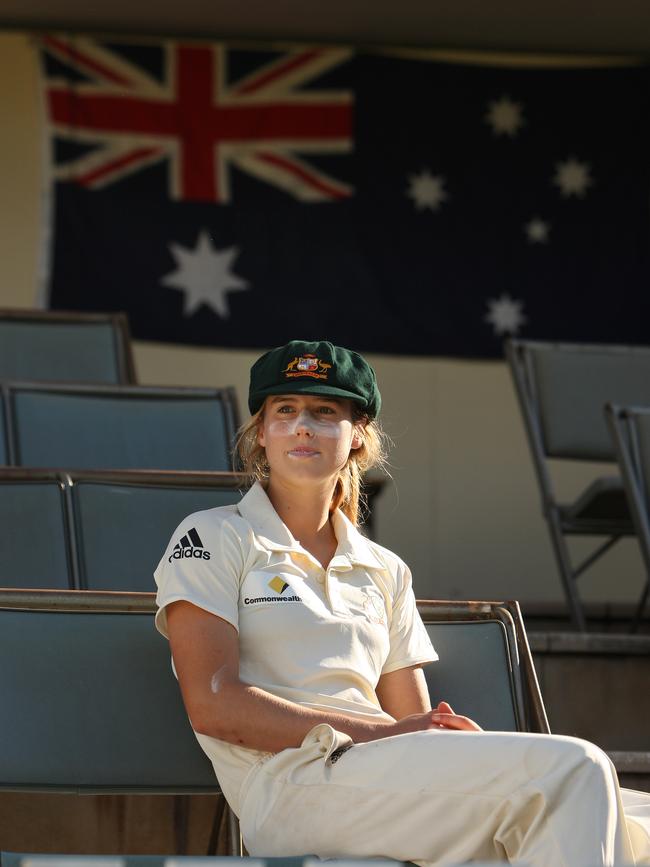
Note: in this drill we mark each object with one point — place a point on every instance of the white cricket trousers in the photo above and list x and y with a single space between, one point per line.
442 797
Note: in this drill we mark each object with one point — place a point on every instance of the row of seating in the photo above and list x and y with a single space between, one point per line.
97 530
565 392
94 668
117 427
75 347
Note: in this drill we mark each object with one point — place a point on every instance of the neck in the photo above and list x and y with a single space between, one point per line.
306 512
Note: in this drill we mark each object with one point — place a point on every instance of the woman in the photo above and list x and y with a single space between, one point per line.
299 653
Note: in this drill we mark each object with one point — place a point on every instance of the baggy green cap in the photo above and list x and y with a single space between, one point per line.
314 367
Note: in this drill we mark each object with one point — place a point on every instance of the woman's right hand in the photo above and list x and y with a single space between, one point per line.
441 717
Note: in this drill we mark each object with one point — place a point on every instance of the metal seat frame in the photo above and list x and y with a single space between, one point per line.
602 508
623 424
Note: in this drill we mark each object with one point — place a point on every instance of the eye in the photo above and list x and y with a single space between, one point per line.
326 410
285 408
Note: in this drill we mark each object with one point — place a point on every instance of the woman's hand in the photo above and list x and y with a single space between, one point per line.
445 717
440 718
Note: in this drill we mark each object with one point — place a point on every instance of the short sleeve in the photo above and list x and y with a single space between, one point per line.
203 564
409 641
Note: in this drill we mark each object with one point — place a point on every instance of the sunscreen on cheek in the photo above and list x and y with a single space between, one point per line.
322 427
282 428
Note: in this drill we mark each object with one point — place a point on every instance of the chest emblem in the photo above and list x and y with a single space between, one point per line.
374 608
278 584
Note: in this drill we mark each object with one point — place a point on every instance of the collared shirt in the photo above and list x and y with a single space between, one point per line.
319 637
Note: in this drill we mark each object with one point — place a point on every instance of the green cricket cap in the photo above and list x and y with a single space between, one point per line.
314 367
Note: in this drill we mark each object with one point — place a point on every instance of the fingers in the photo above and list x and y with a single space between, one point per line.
444 707
455 721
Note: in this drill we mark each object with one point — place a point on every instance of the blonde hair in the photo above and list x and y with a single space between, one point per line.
347 495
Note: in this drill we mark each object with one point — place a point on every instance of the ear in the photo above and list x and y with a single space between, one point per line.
357 436
260 435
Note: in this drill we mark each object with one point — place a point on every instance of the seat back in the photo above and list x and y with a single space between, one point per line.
482 692
94 427
88 699
124 522
23 859
485 670
4 447
562 389
35 549
76 347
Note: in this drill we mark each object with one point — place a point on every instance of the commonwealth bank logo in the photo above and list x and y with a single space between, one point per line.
263 591
278 584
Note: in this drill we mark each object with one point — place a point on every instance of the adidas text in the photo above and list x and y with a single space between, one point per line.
183 553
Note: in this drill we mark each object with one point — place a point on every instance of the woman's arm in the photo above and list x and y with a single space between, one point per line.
205 649
404 692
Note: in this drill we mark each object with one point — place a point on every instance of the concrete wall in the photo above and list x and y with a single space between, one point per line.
463 509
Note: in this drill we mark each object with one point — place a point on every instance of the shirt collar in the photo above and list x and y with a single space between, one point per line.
270 529
274 534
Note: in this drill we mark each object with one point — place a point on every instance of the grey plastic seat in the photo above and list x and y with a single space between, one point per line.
630 430
35 550
22 859
76 347
562 389
88 701
4 451
485 669
123 522
112 427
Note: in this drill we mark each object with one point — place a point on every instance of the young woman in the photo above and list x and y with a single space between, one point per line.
299 652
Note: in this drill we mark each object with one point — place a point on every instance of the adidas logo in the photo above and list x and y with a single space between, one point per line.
190 545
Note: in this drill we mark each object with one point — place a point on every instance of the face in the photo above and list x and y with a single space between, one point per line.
308 436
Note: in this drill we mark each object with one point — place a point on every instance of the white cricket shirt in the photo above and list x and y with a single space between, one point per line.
319 637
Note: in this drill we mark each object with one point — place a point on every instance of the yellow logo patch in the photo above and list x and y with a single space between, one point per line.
278 584
307 365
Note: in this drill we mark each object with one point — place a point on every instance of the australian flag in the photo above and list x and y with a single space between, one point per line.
240 197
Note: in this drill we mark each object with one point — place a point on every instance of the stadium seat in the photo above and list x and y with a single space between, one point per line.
22 859
4 450
74 347
124 521
113 427
88 700
562 389
500 694
630 431
36 551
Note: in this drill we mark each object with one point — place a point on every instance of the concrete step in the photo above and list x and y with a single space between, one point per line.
633 769
596 686
601 617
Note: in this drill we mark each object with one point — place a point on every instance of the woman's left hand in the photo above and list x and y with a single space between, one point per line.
445 717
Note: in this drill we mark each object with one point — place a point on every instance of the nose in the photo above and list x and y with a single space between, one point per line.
305 423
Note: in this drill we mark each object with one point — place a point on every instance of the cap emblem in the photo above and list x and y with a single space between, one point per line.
306 365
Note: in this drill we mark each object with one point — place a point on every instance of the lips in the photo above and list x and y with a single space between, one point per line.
302 452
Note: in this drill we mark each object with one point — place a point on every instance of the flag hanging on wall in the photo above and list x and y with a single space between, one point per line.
240 197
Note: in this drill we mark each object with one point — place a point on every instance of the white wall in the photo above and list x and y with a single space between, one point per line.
463 509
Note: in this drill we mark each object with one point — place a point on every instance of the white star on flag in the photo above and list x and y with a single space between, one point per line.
427 190
505 315
504 116
572 177
537 231
204 275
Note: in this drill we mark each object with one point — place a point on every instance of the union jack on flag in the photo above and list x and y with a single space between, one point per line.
189 111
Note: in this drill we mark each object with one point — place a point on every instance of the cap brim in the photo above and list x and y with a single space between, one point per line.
305 387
